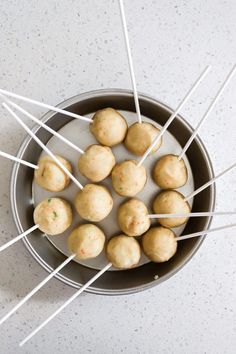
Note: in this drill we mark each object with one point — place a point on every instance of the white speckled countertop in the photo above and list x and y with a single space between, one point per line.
51 50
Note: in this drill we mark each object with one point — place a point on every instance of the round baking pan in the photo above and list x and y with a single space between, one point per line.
49 256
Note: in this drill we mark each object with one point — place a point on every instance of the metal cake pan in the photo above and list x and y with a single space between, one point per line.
121 282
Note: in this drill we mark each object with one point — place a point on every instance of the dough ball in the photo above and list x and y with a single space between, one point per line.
86 241
109 127
93 202
128 178
159 244
132 217
53 215
96 163
50 176
170 172
140 136
171 202
123 252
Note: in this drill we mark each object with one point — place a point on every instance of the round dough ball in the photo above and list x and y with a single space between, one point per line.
171 202
53 215
86 241
128 178
132 217
109 127
50 176
159 244
170 172
93 202
96 163
140 136
123 252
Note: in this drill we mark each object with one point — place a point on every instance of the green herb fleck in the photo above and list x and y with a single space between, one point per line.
55 214
49 200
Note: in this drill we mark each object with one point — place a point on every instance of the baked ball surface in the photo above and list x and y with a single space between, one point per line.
170 172
93 202
128 178
53 215
159 244
109 127
86 241
171 202
140 136
96 163
132 217
123 252
50 176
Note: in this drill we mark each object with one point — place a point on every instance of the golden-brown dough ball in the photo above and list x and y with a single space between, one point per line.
109 127
128 178
53 215
50 176
171 202
159 244
123 252
93 202
140 136
96 163
170 172
133 217
86 241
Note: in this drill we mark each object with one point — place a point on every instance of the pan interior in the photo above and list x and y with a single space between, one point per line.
78 132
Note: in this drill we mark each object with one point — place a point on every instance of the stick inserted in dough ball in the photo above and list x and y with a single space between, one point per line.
128 178
93 202
53 215
109 127
170 172
86 241
96 163
123 252
140 136
159 244
50 176
133 217
171 202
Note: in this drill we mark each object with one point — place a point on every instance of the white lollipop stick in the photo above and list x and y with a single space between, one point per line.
37 288
131 67
203 232
209 183
174 114
72 298
16 159
19 237
205 116
59 136
44 147
44 105
200 214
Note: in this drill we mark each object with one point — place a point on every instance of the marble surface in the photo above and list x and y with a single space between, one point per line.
51 50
